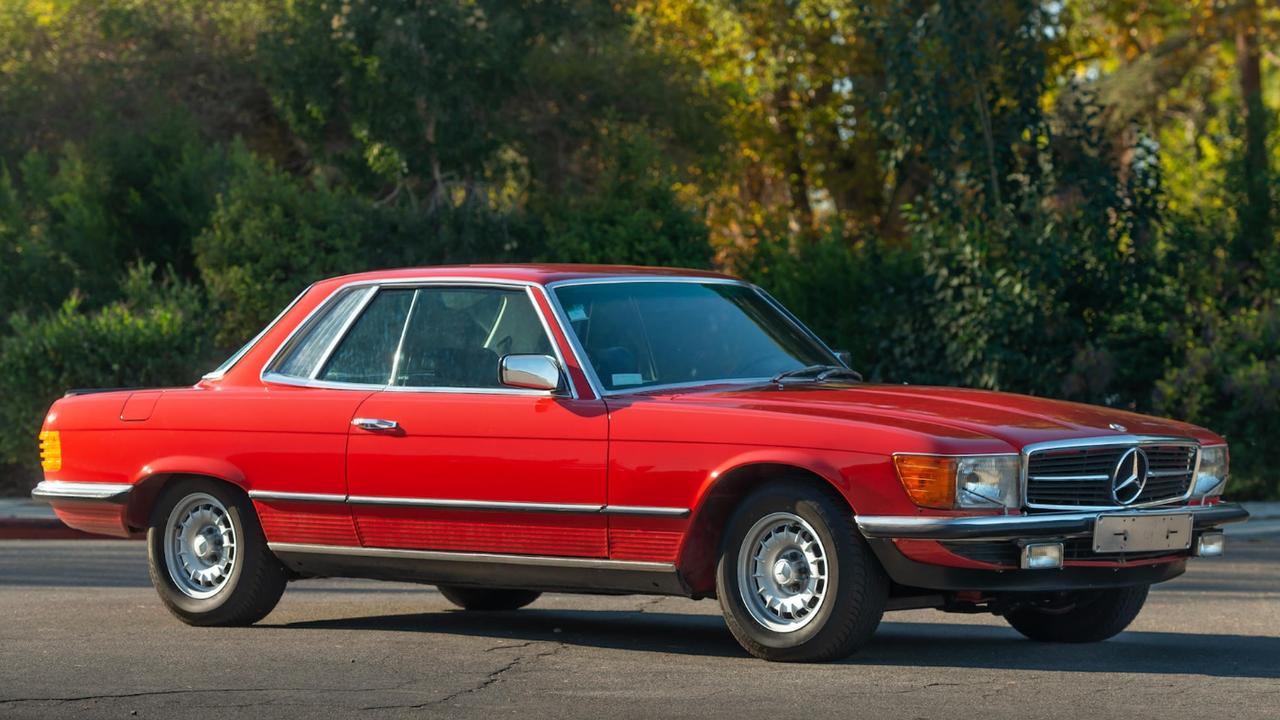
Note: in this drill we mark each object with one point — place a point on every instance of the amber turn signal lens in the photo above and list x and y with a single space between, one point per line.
928 479
50 451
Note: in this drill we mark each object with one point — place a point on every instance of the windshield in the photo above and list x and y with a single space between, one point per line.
639 334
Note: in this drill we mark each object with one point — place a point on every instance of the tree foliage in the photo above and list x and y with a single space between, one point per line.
1069 199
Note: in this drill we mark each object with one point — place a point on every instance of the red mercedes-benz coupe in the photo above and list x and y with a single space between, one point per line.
505 430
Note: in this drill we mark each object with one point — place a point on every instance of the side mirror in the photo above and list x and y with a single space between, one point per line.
531 372
845 357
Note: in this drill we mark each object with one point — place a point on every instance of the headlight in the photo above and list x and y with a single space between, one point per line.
966 481
1212 477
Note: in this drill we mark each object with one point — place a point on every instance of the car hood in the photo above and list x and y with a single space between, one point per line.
1016 419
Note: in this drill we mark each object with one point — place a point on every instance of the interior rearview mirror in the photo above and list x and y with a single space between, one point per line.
531 372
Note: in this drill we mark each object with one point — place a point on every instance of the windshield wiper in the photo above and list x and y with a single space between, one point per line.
817 374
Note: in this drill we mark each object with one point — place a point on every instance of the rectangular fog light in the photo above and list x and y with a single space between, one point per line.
1211 545
1042 556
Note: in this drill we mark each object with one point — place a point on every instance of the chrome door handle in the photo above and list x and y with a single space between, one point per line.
375 424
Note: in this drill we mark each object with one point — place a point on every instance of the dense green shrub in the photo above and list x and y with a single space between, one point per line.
633 216
270 236
1227 377
155 336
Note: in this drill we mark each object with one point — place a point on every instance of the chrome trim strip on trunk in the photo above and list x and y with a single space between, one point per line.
51 490
1001 527
468 557
269 495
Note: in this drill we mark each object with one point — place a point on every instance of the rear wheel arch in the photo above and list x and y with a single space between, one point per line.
148 488
700 548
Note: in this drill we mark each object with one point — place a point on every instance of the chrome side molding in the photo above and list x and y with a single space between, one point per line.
269 495
491 505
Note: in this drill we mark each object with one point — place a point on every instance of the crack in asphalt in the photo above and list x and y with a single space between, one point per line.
511 647
646 604
489 680
151 693
194 691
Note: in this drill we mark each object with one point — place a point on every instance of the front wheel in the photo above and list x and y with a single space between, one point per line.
208 557
795 580
1081 617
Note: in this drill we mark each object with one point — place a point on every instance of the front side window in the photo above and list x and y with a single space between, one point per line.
456 336
638 334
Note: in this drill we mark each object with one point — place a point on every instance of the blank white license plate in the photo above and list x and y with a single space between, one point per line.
1129 533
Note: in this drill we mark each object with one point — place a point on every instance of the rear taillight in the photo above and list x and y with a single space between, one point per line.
50 451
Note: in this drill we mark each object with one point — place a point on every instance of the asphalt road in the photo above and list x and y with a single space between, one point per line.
82 633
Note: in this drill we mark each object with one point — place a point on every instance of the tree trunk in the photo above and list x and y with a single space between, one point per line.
1255 216
787 106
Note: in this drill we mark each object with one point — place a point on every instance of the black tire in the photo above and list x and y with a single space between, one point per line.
1084 617
469 598
856 587
256 579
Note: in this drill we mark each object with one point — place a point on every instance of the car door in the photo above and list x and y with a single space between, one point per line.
447 458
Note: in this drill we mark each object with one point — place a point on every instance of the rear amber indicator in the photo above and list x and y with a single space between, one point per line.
928 479
50 451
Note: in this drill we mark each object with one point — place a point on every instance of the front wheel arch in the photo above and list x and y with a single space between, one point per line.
699 549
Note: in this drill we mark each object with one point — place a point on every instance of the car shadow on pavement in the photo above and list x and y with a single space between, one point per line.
987 646
907 644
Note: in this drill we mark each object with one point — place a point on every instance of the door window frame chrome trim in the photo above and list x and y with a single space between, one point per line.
529 287
1109 440
589 370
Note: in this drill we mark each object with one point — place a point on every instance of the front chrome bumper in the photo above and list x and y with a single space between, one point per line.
1013 527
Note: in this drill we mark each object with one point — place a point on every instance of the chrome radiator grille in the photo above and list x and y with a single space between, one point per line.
1083 476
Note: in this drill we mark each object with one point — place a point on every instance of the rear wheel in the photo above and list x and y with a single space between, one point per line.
1080 617
795 580
208 557
469 598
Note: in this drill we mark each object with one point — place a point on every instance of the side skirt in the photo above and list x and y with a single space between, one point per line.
530 572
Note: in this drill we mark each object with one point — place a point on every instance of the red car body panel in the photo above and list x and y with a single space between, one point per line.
662 449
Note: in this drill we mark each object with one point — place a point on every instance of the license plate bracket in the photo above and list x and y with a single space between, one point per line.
1142 533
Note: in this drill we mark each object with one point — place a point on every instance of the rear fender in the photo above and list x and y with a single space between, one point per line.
151 479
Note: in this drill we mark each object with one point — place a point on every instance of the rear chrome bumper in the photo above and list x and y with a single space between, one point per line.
64 491
1013 527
